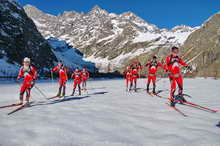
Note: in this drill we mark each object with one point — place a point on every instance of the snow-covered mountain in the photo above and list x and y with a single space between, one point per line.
107 38
19 38
71 57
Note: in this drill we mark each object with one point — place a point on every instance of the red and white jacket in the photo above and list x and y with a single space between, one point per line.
29 73
85 75
77 76
173 64
153 66
62 72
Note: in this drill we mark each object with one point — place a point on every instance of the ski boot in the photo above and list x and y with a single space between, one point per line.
64 91
172 102
59 92
73 92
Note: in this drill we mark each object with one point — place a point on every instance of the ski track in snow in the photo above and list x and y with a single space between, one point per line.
109 116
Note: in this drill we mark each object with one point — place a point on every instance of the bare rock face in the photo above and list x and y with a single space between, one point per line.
107 39
206 41
19 38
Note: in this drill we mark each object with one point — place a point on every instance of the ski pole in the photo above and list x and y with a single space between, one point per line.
51 75
38 89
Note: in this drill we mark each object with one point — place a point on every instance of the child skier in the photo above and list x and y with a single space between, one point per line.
134 77
60 68
77 76
30 74
173 66
152 70
128 77
85 77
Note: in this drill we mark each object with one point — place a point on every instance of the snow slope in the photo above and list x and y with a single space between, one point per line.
8 69
69 55
109 116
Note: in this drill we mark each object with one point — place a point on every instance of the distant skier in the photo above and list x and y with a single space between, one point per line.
152 70
30 75
77 76
128 78
85 77
139 68
135 76
126 72
173 66
61 69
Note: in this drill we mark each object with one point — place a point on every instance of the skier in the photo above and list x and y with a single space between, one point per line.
127 71
77 76
61 69
152 70
173 66
30 75
135 76
128 78
85 77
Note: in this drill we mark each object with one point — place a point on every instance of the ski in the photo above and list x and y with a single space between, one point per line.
199 106
10 105
176 109
156 94
54 97
17 109
150 93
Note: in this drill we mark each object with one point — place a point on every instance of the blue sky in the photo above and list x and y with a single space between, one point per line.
163 13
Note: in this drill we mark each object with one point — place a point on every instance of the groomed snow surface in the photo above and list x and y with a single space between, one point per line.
109 116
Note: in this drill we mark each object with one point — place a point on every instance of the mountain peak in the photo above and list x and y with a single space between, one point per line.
32 9
98 10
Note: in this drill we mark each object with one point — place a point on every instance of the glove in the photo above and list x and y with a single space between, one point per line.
189 67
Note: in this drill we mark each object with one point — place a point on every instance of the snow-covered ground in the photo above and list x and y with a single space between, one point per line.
109 116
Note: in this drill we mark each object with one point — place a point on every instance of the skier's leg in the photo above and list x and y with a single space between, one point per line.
154 84
60 87
126 82
131 84
79 88
28 91
180 86
135 85
148 83
22 91
59 91
173 88
85 84
74 88
64 89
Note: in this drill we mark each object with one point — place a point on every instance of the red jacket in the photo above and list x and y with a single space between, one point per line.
77 76
85 75
134 73
173 64
128 75
62 72
153 66
29 73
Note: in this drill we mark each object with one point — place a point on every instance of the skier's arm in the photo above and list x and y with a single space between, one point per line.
72 76
183 63
55 69
167 64
34 71
148 63
20 74
161 65
65 70
88 75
